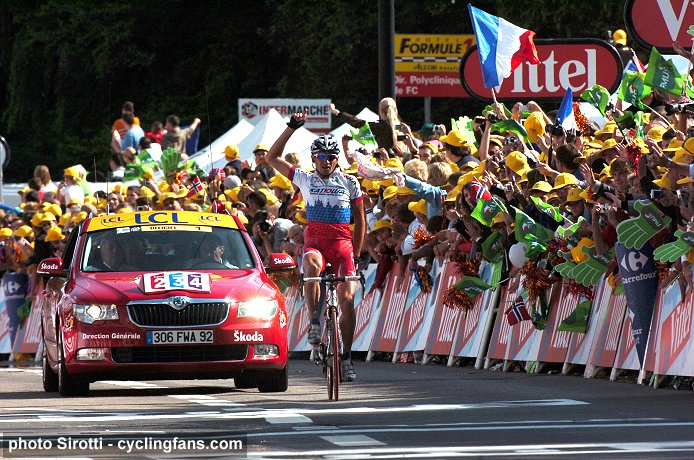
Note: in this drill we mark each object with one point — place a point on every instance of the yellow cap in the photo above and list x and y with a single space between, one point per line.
47 217
518 163
656 133
380 224
663 182
36 220
353 169
574 195
231 152
403 191
394 163
271 198
390 192
453 194
577 252
64 219
619 37
301 217
79 217
541 186
418 207
233 194
280 181
165 196
261 147
564 179
146 192
371 186
454 138
24 231
535 126
5 232
55 233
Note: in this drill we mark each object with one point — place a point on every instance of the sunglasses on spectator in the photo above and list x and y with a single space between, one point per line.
326 156
511 141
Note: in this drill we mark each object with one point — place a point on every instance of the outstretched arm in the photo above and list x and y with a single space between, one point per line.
274 156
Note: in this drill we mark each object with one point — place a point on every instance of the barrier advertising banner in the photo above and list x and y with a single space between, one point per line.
392 312
609 311
501 339
579 344
672 334
13 290
472 326
555 343
297 330
418 308
444 319
29 333
366 311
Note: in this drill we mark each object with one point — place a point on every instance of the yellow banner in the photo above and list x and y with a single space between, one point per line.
430 53
177 218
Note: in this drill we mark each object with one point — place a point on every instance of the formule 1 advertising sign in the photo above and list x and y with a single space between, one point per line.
659 23
575 63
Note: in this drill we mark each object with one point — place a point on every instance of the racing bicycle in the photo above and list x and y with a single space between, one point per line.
330 347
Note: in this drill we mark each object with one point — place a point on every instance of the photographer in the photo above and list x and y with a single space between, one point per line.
269 232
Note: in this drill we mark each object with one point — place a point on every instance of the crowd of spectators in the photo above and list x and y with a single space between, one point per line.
422 212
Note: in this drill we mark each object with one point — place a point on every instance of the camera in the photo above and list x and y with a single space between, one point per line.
601 208
398 127
679 108
656 194
347 136
556 130
493 118
524 108
264 226
437 129
402 137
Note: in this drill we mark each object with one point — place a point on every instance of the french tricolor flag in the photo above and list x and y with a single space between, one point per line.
502 46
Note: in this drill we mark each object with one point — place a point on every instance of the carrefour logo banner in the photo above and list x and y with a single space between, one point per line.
637 268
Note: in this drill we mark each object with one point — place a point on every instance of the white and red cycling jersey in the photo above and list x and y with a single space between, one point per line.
328 202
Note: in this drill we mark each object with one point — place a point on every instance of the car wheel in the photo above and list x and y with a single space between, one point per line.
50 379
274 381
69 385
246 380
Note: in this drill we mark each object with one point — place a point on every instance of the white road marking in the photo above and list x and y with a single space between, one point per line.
487 451
353 440
131 384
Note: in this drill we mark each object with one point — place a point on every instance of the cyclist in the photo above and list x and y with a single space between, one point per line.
330 195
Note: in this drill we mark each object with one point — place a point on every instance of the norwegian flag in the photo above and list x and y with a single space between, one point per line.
479 191
517 312
218 172
195 187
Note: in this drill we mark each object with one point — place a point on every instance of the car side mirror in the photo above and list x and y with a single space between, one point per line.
280 261
53 266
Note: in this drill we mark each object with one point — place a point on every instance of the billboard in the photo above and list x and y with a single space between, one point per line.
318 116
575 63
659 23
427 65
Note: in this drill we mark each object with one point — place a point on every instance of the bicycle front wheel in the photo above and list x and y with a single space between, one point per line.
333 368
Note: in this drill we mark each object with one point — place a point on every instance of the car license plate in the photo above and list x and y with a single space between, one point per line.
176 337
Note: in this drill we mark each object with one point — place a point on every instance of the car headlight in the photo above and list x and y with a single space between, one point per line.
260 309
94 312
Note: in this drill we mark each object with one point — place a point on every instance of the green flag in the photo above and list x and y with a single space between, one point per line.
634 232
512 126
492 249
597 96
529 231
472 286
663 74
364 135
133 172
551 211
633 88
577 321
639 124
490 108
486 210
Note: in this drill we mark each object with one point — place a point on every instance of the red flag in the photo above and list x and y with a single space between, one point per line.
195 187
517 312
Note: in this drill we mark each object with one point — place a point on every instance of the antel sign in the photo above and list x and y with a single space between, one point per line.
578 63
659 23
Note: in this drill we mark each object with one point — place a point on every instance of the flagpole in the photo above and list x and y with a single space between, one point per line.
657 114
689 69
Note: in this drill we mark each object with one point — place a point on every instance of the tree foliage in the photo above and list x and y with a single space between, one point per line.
67 66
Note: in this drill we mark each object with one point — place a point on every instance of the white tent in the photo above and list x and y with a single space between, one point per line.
232 137
344 128
266 131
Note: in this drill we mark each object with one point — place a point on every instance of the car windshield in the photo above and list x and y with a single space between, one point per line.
153 249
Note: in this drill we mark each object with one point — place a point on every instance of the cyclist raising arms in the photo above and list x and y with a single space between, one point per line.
330 196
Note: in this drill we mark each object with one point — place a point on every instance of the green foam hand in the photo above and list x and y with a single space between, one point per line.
670 252
564 269
169 160
589 272
634 233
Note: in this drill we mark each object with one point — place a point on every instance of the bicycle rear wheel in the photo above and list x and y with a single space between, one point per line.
332 368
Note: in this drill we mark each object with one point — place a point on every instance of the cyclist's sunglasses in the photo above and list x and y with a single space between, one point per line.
326 156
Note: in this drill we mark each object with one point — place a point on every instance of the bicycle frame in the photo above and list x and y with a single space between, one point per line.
330 348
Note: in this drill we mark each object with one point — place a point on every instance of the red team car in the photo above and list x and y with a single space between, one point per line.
162 295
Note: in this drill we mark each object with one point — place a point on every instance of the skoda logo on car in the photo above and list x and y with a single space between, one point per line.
179 303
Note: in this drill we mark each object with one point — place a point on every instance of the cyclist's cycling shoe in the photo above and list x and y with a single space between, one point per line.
314 334
347 373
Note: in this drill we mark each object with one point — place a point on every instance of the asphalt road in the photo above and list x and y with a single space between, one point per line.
392 411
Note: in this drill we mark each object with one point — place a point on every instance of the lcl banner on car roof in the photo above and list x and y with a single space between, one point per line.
577 63
659 23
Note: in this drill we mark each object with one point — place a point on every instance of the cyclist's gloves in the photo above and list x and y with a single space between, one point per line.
295 123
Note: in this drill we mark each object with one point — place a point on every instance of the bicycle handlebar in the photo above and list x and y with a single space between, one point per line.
330 278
